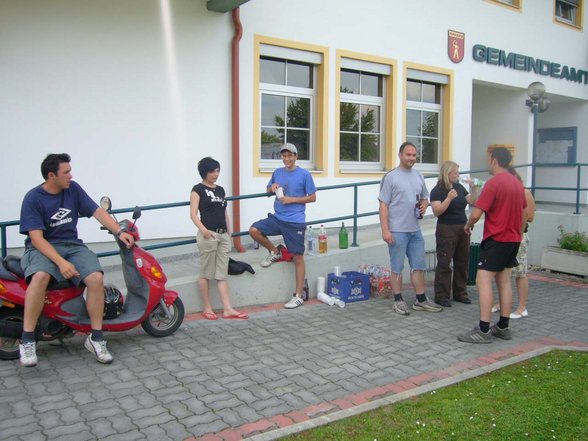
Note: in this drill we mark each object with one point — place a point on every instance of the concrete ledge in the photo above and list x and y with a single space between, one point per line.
276 283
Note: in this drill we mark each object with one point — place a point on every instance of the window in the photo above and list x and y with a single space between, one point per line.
568 11
513 3
428 114
423 116
289 103
364 109
360 117
287 100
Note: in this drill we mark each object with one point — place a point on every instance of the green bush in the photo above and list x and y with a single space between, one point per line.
576 241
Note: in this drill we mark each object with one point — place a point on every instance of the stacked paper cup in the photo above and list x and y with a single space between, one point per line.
324 297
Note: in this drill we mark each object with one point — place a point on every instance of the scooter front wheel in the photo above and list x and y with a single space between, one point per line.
9 346
158 324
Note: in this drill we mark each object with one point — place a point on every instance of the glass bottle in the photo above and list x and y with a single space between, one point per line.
417 208
343 237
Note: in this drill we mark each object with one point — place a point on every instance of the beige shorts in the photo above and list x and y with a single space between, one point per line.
214 255
521 269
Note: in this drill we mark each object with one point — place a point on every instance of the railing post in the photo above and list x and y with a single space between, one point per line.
355 191
3 239
578 181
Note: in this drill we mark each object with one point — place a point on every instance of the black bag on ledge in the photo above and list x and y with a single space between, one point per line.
236 268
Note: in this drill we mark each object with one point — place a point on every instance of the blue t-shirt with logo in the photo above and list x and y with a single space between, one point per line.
296 183
55 214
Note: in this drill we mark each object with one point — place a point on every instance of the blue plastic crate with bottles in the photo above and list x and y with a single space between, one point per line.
350 286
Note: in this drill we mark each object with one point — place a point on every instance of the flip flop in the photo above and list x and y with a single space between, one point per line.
239 316
210 316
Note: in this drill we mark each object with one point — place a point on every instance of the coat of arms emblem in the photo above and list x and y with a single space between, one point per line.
455 45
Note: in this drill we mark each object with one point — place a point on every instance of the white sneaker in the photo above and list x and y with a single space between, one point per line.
294 302
495 308
271 258
516 315
28 354
98 348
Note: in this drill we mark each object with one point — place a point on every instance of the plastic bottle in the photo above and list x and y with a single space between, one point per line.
322 239
475 182
343 237
305 290
310 241
417 208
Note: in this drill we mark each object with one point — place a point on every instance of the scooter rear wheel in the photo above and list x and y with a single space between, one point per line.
157 322
9 346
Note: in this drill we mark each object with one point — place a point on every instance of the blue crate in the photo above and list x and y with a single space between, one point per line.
350 286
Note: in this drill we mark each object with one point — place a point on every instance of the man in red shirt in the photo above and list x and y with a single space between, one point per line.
503 202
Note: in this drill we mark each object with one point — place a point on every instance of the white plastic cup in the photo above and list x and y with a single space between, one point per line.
337 271
320 284
325 298
279 192
339 303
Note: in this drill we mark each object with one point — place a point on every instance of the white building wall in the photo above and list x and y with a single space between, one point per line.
137 107
134 107
499 116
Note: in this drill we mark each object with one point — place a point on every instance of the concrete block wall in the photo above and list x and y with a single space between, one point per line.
276 283
543 231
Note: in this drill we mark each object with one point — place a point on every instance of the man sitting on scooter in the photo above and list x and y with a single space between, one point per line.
49 217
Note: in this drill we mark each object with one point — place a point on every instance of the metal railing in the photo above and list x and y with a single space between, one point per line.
578 188
354 215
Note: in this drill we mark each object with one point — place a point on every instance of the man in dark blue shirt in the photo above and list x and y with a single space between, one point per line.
49 216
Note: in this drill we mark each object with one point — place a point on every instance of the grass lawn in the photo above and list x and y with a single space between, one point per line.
544 398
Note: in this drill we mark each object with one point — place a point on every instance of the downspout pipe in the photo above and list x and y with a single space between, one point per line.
235 127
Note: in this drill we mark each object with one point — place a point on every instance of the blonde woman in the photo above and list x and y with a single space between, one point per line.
448 201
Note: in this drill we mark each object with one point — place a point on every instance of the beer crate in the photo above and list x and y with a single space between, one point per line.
350 286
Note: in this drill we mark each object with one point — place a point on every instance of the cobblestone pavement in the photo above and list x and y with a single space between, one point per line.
230 379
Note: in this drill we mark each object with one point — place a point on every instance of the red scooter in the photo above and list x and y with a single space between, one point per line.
159 311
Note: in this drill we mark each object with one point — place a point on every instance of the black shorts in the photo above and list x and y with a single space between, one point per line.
496 256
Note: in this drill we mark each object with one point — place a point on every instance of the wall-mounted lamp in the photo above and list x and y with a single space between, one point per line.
538 104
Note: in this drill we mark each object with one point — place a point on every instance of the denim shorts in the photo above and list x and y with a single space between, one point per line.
85 261
411 245
293 233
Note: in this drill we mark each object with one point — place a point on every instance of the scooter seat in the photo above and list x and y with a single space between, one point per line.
12 264
62 284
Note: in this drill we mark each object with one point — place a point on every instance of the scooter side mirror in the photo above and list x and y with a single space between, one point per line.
136 213
105 203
